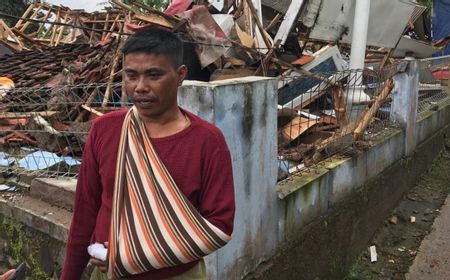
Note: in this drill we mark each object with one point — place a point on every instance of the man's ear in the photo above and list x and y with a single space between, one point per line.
182 73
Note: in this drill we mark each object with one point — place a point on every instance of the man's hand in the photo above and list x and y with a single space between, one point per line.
7 274
103 265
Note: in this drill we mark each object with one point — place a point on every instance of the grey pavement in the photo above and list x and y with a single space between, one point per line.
433 259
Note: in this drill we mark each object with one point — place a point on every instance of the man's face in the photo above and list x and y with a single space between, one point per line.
152 83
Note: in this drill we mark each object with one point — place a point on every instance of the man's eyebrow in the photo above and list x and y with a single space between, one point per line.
153 71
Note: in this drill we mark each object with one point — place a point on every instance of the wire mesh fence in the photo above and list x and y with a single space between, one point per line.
332 114
43 131
434 87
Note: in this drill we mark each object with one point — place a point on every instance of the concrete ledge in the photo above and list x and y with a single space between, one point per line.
59 192
37 214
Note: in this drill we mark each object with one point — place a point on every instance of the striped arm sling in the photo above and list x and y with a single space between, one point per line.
153 225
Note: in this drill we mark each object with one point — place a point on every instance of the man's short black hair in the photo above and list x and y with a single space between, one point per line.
156 41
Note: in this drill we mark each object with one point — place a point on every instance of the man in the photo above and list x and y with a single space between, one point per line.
153 179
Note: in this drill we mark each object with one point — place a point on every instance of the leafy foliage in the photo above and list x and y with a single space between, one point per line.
157 4
428 4
14 8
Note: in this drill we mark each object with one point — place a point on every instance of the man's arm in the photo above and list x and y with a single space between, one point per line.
217 192
87 204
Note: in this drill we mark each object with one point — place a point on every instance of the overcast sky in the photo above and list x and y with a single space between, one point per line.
88 5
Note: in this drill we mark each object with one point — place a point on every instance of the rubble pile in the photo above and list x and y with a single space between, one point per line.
305 44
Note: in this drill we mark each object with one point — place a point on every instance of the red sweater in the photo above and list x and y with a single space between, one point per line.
198 160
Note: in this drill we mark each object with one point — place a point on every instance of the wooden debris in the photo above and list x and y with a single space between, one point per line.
368 115
296 127
340 105
89 109
225 74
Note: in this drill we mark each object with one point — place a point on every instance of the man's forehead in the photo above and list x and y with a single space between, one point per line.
147 60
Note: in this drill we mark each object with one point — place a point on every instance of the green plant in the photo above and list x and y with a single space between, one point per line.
428 4
23 249
157 4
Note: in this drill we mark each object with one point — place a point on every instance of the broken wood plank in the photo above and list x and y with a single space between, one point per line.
368 114
35 43
273 22
151 18
89 109
25 15
296 127
224 74
289 19
43 124
340 105
289 66
24 27
105 27
55 27
20 115
113 69
42 25
61 30
258 24
244 37
154 11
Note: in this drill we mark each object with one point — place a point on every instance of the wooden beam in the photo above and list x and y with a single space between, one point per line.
151 18
89 109
368 115
111 75
116 22
340 105
155 20
28 38
25 15
273 22
154 11
32 17
54 27
105 27
289 66
91 37
258 23
18 115
61 30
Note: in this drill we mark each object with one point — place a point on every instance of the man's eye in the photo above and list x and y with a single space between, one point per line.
154 75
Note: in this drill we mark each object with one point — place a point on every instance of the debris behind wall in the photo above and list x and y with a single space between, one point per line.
61 68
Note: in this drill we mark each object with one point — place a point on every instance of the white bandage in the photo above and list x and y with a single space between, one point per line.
98 251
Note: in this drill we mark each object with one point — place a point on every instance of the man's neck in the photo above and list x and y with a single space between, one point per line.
171 122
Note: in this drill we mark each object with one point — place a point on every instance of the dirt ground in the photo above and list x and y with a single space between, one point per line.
398 240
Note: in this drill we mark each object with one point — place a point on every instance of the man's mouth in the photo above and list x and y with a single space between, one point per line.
145 102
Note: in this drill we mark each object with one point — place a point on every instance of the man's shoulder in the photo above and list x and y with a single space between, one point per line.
111 118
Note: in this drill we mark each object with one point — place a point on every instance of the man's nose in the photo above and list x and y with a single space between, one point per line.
141 85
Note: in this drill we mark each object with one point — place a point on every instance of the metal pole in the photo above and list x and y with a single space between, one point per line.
359 35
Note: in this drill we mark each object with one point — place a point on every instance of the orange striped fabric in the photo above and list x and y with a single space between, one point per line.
153 224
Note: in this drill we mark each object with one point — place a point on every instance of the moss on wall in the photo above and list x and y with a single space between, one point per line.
24 244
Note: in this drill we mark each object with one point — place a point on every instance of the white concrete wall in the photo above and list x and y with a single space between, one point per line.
245 110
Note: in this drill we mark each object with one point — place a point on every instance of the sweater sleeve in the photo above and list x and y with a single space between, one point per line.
87 204
217 193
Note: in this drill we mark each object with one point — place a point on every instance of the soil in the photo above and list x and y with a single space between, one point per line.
398 240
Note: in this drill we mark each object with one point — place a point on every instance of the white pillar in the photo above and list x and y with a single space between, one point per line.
359 35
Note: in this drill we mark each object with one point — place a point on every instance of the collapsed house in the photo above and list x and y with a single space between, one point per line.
61 68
